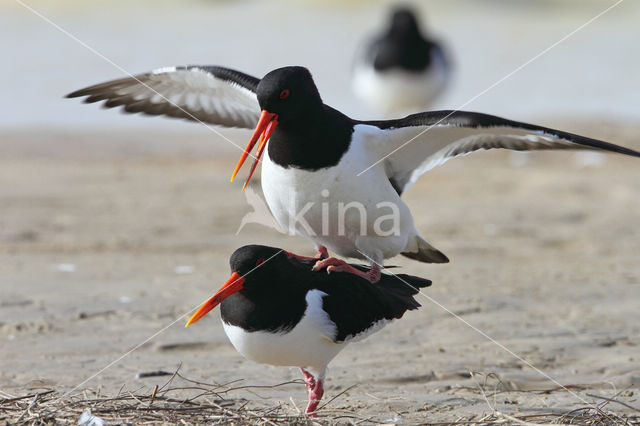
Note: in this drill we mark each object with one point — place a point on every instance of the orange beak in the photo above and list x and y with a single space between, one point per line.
266 125
233 285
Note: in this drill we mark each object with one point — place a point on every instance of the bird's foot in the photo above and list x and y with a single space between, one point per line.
325 263
322 253
315 395
373 275
333 264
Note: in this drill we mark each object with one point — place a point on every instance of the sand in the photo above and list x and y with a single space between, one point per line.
108 239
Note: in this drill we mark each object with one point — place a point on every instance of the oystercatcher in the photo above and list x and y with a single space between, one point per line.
276 311
330 178
402 69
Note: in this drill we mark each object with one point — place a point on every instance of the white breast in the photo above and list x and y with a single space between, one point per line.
309 344
395 91
337 205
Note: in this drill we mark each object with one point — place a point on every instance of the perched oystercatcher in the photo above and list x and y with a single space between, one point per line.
333 179
402 69
276 311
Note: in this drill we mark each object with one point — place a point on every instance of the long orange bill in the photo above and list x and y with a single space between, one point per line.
266 125
263 142
233 284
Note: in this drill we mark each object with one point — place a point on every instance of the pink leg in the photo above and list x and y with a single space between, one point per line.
309 380
333 264
315 395
322 253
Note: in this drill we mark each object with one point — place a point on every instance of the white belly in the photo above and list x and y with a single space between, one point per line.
336 208
395 91
309 344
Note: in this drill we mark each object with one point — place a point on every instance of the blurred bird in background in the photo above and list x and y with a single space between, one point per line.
402 70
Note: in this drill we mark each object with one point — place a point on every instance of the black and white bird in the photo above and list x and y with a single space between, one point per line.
401 70
327 177
276 311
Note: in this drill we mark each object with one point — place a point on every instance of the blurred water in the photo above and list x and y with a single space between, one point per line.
597 71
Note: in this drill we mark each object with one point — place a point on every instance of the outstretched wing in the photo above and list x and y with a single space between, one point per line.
211 94
410 146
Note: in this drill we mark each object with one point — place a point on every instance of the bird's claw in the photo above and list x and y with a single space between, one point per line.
333 264
321 254
326 263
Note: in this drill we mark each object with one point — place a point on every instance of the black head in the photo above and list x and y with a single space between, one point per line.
267 271
288 92
256 259
403 23
254 269
402 46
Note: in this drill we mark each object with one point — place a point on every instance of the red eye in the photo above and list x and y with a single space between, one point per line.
285 94
260 261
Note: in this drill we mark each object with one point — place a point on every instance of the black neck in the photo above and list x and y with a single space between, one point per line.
279 308
315 140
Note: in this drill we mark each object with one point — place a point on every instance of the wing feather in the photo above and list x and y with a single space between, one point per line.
413 145
211 94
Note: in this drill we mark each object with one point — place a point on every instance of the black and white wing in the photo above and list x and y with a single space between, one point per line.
359 308
410 146
211 94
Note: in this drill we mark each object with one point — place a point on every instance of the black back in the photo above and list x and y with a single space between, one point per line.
354 304
273 298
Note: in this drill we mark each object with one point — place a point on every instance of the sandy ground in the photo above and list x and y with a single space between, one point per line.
544 261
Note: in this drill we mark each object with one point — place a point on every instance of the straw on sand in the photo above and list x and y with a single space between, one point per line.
209 403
